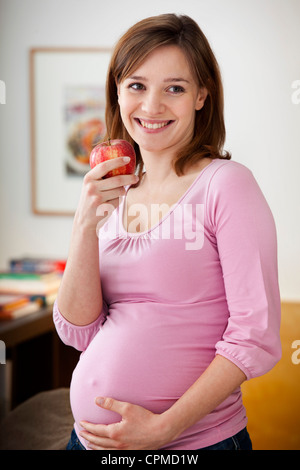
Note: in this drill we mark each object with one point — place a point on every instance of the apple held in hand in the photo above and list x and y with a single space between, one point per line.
113 149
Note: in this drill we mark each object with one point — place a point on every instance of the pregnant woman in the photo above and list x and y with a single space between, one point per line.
173 299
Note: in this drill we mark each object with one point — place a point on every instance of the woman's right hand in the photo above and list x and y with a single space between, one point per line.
99 197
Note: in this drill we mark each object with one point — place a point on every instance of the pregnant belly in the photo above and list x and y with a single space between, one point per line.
149 360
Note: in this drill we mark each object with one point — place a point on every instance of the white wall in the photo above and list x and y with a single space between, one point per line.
257 45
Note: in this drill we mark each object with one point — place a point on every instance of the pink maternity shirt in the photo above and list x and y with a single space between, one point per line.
203 281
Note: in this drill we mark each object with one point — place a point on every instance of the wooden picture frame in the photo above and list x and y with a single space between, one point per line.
67 106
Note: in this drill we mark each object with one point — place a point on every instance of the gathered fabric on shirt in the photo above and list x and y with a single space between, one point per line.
202 281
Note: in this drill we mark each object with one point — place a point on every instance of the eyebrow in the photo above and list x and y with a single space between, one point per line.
167 80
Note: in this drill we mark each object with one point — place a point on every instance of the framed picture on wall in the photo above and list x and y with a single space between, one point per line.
67 93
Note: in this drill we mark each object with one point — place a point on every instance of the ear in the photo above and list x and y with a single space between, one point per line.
201 98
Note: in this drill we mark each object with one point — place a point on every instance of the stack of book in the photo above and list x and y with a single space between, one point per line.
37 265
29 284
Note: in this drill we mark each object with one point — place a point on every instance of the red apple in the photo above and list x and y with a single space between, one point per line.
113 149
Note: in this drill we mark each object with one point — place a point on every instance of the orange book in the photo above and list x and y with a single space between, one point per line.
9 303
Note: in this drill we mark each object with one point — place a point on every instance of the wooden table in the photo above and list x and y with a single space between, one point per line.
36 356
15 331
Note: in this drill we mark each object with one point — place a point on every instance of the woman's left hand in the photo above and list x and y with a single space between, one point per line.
138 429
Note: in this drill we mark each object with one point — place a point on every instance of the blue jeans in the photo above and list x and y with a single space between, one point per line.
240 441
74 443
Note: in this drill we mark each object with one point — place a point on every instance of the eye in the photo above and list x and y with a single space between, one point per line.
176 89
136 86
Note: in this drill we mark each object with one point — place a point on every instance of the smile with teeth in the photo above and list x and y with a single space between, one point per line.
153 125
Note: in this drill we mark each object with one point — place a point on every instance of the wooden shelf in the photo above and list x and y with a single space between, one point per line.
38 358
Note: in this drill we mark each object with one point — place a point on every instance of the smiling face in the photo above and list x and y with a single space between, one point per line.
158 101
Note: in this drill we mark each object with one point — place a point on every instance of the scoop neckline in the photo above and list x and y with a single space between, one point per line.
172 208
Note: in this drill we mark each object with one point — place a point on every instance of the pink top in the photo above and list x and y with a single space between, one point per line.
202 282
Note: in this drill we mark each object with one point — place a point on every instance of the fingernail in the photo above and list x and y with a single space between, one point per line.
126 159
99 400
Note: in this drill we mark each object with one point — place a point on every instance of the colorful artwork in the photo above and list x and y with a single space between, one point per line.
67 95
85 125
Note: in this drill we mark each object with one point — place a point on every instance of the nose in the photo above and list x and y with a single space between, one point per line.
153 103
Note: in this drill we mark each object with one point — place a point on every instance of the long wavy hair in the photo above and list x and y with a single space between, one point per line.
132 49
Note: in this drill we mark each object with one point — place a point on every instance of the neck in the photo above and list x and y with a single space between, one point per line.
159 170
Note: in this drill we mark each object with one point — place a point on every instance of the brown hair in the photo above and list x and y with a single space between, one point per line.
132 49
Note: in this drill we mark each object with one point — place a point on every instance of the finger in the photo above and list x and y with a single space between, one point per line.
99 442
112 194
117 181
113 405
112 182
104 167
99 430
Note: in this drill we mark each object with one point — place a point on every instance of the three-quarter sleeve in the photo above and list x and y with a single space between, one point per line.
245 236
79 337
